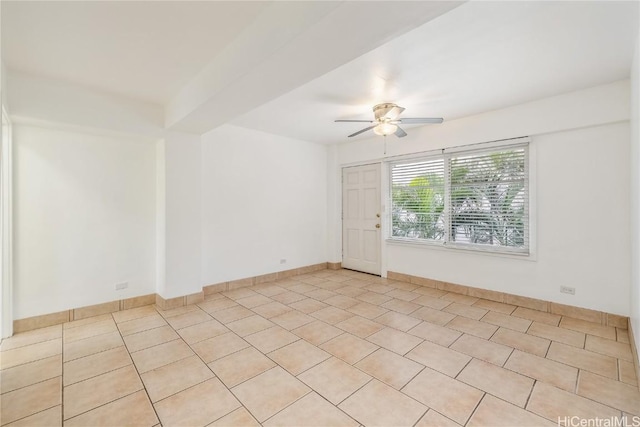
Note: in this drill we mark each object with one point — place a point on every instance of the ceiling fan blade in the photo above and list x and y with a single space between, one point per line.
400 133
361 131
354 121
393 112
409 121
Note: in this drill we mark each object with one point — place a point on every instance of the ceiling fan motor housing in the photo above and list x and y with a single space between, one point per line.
386 111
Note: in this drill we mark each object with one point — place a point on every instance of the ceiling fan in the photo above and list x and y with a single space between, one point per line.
387 120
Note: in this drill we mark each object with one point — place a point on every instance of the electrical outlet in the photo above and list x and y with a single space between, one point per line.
121 286
567 290
283 261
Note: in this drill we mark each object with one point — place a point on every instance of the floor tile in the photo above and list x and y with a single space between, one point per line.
334 379
292 320
482 349
321 294
400 306
134 409
197 406
498 413
299 356
349 348
94 365
450 397
202 331
610 348
379 288
134 313
31 337
175 377
86 395
360 326
311 410
152 337
398 321
160 355
254 301
367 310
29 400
435 333
51 417
432 292
472 327
403 295
30 373
537 316
270 392
317 332
89 330
139 325
627 372
269 290
377 404
308 305
495 306
552 403
465 310
272 309
173 312
459 298
231 314
349 290
440 358
584 359
502 383
506 321
612 393
332 315
390 368
220 346
241 366
238 418
432 302
88 321
271 339
288 297
239 293
432 315
557 374
211 306
92 345
622 335
554 333
590 328
188 319
30 353
341 301
525 342
249 325
394 340
435 419
373 298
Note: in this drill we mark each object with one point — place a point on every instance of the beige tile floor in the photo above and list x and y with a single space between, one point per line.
328 348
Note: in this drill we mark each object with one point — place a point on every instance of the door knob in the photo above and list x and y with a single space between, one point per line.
377 225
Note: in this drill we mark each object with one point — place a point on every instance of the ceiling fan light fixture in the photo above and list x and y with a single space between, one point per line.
385 128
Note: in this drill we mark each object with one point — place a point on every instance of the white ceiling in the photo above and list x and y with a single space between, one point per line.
291 68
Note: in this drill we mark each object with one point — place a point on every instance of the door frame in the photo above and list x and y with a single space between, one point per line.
6 233
384 186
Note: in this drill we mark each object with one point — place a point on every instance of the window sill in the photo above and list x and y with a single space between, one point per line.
458 249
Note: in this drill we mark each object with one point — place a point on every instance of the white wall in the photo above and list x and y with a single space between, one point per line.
182 202
263 199
635 194
84 219
586 130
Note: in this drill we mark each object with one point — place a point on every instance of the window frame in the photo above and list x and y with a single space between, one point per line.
528 251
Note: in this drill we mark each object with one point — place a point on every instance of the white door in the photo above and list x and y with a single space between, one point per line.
361 226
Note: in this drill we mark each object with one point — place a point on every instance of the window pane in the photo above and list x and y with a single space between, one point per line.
488 199
417 195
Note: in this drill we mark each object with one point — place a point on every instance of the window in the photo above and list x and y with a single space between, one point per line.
468 199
